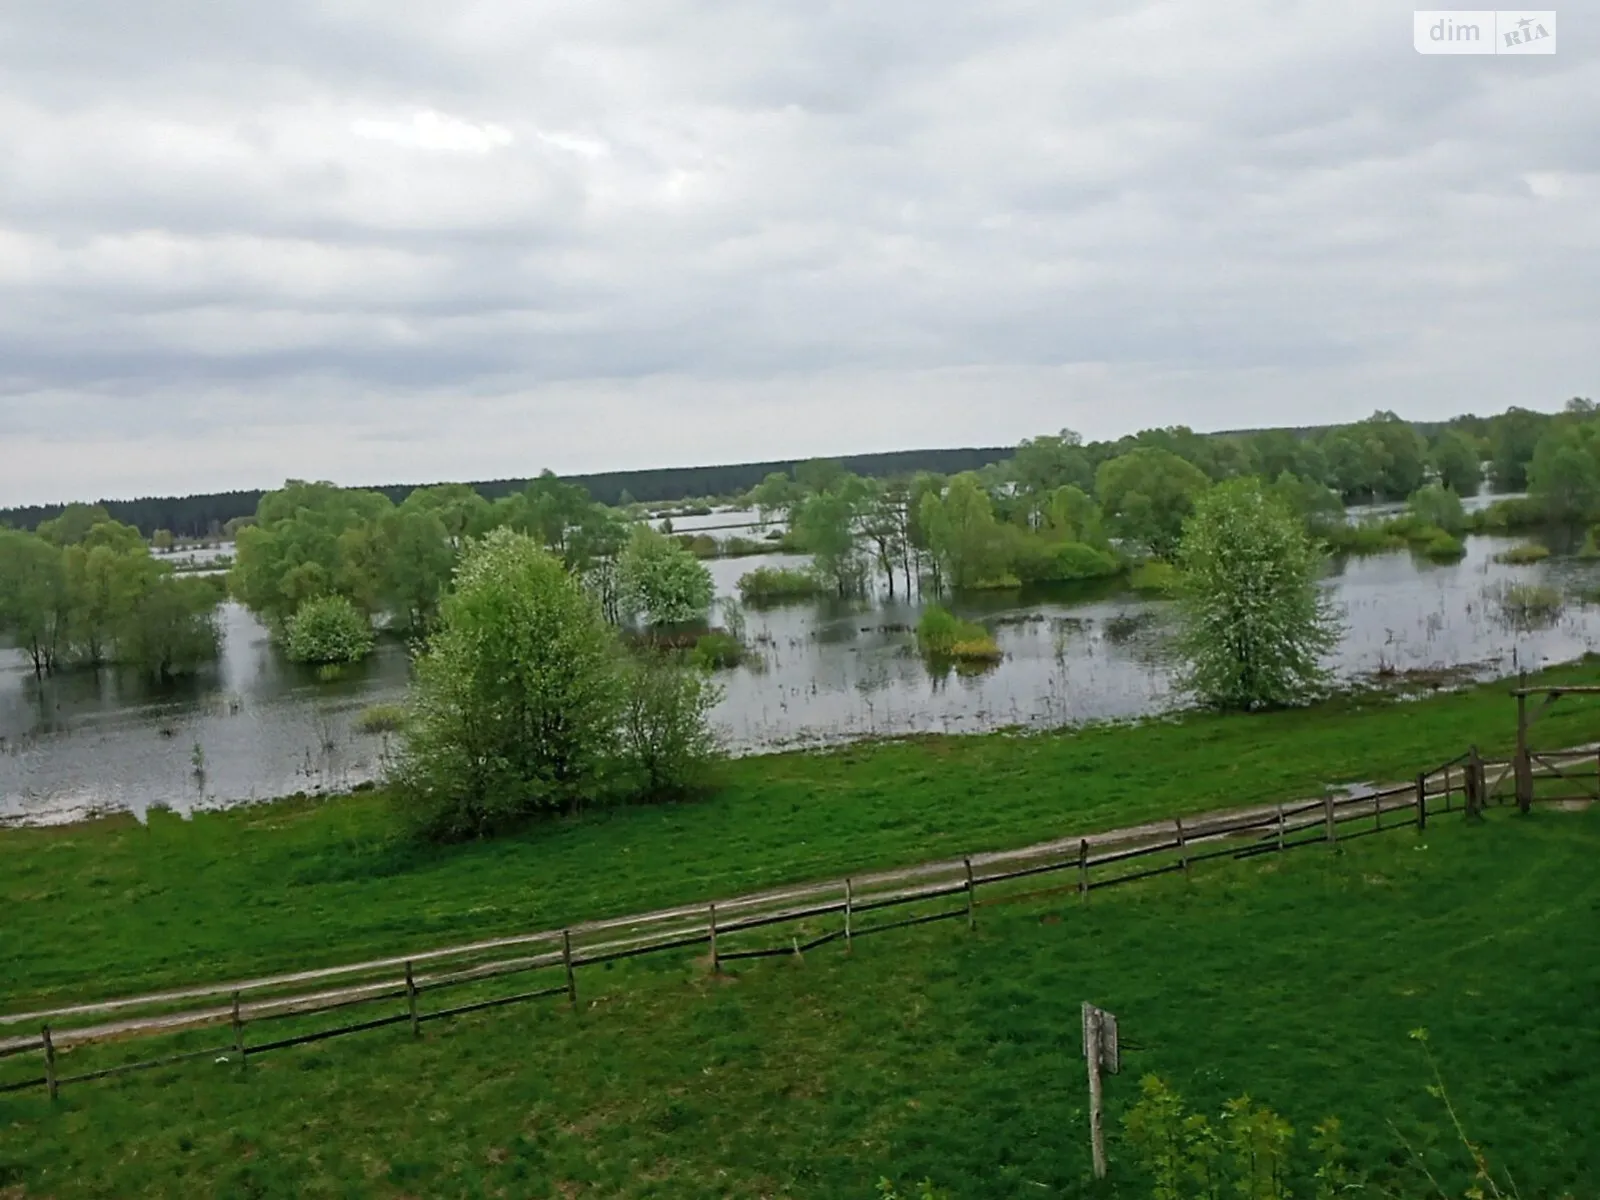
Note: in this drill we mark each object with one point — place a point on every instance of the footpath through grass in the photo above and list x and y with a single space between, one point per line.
112 907
937 1052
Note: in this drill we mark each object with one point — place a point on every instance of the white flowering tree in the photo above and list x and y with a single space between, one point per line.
661 582
1255 623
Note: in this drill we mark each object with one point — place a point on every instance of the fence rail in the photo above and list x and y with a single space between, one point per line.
810 915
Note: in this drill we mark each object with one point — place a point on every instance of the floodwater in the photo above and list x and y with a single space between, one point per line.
256 727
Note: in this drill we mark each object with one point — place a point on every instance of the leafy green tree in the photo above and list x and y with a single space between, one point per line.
1357 463
102 586
884 523
1404 452
33 597
824 525
162 541
74 524
776 496
1073 516
516 703
1254 621
668 747
461 510
1457 463
923 484
1564 476
170 628
417 556
963 536
328 629
1042 465
660 582
1318 506
1439 507
1147 494
309 540
820 475
1513 437
549 510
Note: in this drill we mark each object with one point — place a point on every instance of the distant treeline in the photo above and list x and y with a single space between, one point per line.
205 515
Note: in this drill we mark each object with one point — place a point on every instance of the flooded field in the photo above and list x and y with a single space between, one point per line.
821 672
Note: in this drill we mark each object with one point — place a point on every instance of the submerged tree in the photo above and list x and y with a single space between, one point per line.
1255 623
661 582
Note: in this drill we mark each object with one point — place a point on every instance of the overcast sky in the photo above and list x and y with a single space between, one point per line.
387 240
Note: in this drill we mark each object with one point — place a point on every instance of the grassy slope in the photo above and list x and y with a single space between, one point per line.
112 907
939 1052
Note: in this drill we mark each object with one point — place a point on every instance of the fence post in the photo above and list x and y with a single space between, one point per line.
1083 867
849 912
716 963
1422 799
1327 816
49 1062
1476 785
1183 846
1524 761
238 1032
411 1000
566 961
1280 824
1377 810
972 891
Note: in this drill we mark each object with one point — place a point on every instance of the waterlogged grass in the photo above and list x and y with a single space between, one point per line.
939 1053
113 907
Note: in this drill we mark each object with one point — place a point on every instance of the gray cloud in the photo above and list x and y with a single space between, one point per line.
379 241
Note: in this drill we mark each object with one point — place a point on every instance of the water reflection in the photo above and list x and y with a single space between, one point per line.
820 672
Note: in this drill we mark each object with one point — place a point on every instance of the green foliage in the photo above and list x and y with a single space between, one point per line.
824 525
1529 605
660 582
961 532
767 585
381 718
1318 506
516 698
1457 462
1255 622
941 635
887 1190
717 651
1147 495
1443 548
1364 537
1564 475
1439 507
1245 1154
170 628
73 525
1523 554
328 629
1513 436
667 747
1034 559
1155 576
1044 465
1381 458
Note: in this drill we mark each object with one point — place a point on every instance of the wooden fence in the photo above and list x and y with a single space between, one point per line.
407 990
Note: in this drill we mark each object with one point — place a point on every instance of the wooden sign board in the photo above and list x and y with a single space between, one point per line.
1109 1052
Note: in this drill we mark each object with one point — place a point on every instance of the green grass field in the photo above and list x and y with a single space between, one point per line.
113 907
937 1052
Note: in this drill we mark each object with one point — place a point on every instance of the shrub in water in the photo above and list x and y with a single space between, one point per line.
769 584
328 629
1442 547
1439 507
381 718
1523 554
943 635
717 650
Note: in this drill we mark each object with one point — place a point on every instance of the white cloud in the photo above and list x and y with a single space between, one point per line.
429 130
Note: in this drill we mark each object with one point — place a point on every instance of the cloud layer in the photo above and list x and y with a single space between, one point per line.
389 241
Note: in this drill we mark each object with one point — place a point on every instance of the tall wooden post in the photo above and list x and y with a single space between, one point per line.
410 1000
1422 801
1092 1035
716 963
238 1032
49 1063
972 916
1083 868
849 911
1183 846
1523 766
1327 816
566 961
1280 824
